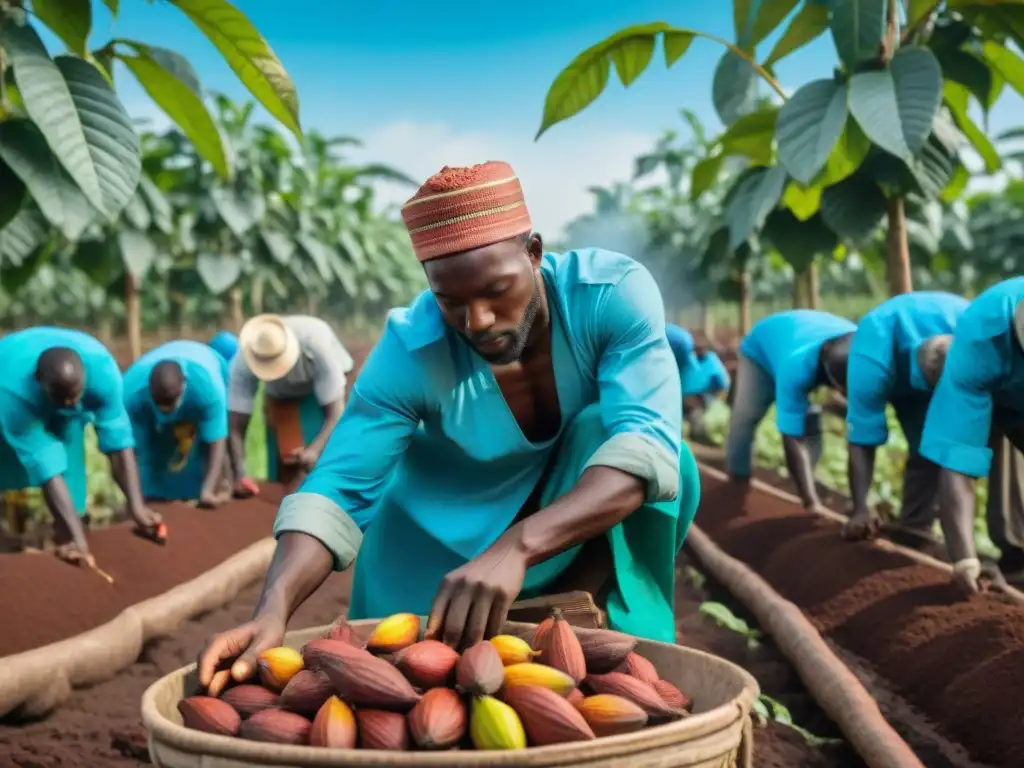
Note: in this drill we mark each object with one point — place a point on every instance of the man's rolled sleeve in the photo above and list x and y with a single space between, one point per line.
867 395
321 518
639 386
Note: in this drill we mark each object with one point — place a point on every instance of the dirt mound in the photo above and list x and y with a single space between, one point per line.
960 662
44 600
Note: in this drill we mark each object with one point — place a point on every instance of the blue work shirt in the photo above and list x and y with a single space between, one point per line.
204 401
697 376
428 441
26 411
787 345
982 382
715 376
883 365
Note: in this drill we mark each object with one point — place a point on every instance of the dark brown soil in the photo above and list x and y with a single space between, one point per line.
100 726
44 600
959 661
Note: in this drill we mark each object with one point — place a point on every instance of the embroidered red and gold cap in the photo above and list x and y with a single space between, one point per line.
458 209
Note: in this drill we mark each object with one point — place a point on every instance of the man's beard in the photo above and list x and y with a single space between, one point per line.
513 349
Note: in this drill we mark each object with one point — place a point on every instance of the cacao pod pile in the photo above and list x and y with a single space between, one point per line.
399 692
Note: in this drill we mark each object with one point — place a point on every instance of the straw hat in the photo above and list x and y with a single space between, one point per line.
269 347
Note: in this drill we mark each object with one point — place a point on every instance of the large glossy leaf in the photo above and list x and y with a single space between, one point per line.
969 71
956 97
159 206
895 107
23 236
733 88
319 253
768 16
23 148
754 197
13 194
807 25
809 127
346 276
803 201
218 271
279 245
752 135
240 210
70 20
853 208
136 213
97 259
857 27
580 83
249 55
799 242
171 82
138 252
704 174
847 155
351 246
1007 63
113 5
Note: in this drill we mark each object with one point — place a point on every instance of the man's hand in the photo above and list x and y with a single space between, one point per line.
971 576
305 458
863 524
210 500
473 600
246 488
240 648
147 520
71 554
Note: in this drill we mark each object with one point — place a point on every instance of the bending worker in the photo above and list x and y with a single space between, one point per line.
304 368
782 360
701 372
225 343
974 424
55 382
896 357
176 397
515 432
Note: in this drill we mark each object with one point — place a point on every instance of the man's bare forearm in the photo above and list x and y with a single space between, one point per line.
861 468
601 499
238 423
300 566
215 454
798 462
125 469
58 500
956 514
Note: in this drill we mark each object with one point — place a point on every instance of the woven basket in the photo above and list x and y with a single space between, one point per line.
717 735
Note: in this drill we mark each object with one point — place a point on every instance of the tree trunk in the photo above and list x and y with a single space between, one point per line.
707 319
311 304
256 296
898 248
744 303
813 288
237 309
798 290
183 318
105 331
133 315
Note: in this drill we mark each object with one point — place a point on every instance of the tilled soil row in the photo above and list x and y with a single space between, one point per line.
959 661
101 727
44 600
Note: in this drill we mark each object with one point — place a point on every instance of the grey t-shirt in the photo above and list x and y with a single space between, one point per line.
322 368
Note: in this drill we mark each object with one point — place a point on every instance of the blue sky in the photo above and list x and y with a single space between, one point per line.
427 84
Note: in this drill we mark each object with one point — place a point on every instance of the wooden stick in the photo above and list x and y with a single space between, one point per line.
832 684
103 574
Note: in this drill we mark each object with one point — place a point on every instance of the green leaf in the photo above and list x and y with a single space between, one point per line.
799 242
754 197
136 213
803 201
171 82
956 185
22 248
159 206
857 27
23 148
218 271
138 252
280 246
895 107
248 55
807 25
752 135
769 15
733 88
919 9
320 254
83 121
846 157
236 210
957 99
580 83
347 278
113 6
853 208
704 174
70 20
810 125
1006 63
97 261
352 248
14 194
969 71
741 21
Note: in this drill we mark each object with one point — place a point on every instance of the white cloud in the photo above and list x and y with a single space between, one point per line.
555 171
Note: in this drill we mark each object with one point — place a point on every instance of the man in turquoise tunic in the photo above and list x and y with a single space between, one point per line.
896 357
782 360
702 373
516 431
974 422
176 396
55 382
